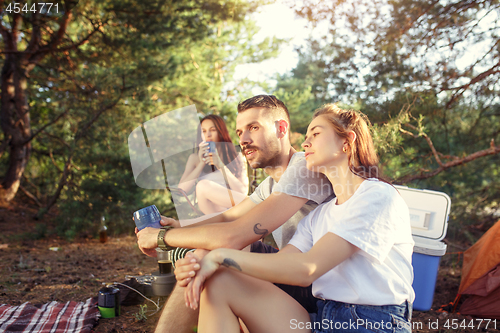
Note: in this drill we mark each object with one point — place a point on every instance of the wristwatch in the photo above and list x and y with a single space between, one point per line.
161 238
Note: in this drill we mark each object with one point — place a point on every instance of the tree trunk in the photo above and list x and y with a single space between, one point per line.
15 122
14 111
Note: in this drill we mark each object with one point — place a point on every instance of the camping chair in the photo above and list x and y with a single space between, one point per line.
174 191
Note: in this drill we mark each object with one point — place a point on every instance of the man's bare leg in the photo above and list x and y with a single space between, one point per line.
176 317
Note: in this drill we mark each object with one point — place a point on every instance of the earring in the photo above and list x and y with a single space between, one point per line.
344 149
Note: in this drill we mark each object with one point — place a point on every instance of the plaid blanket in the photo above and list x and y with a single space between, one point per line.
54 317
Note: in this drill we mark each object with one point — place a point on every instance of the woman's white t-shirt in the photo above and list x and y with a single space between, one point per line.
377 221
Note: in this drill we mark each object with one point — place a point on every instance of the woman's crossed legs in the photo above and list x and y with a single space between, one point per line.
214 198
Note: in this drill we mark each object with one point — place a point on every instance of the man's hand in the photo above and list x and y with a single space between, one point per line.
147 239
169 221
185 269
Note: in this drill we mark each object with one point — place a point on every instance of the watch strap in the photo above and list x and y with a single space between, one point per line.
161 238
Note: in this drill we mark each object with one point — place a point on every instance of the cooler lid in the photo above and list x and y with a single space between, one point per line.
429 211
429 247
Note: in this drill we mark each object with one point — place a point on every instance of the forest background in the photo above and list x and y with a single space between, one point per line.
75 82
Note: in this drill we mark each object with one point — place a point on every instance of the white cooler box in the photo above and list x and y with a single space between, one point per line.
429 211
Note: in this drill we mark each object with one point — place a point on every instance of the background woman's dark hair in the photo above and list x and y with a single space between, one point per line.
225 146
363 159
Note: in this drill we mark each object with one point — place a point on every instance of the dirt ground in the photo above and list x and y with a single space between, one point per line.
53 269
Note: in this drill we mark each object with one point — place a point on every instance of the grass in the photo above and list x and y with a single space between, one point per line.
141 316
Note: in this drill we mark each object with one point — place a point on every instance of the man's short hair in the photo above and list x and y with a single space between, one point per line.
270 102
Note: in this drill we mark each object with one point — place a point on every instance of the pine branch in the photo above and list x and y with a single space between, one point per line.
69 164
424 174
83 130
36 35
60 185
38 195
460 90
429 142
31 196
84 40
56 138
45 126
54 161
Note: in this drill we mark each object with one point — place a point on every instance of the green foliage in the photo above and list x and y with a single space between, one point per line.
40 231
143 59
406 154
299 106
424 72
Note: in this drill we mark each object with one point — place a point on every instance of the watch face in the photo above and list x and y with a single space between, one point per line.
161 240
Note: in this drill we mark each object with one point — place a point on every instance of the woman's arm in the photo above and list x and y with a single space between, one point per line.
244 173
288 267
192 171
186 267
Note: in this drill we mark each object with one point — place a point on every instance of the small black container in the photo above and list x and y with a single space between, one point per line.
108 302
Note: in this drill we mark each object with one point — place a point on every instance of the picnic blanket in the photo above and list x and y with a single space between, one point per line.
53 317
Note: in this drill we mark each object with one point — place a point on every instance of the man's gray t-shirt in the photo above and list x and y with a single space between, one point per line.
298 181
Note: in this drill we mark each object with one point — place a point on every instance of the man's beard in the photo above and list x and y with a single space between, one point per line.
267 158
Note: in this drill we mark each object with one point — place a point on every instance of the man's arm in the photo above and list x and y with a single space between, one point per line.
229 215
252 226
147 238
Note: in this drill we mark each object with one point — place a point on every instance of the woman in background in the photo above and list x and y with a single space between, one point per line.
355 250
212 191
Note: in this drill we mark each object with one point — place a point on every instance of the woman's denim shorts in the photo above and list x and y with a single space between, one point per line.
335 316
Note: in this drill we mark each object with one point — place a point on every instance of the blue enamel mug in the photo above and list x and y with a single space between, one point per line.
147 217
211 147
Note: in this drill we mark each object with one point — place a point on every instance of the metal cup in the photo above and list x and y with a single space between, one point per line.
147 217
211 150
162 285
211 146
